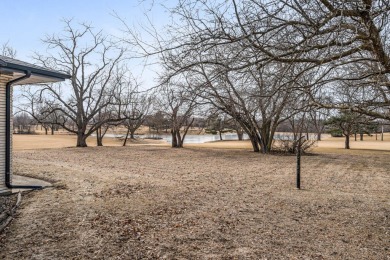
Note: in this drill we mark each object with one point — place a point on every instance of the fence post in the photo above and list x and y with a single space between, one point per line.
299 162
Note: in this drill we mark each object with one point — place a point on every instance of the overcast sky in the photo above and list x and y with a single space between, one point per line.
26 22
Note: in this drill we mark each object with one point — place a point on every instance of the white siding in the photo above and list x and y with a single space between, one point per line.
3 80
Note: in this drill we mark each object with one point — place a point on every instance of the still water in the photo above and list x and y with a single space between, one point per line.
199 139
190 139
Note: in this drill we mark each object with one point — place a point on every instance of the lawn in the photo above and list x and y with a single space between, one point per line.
150 201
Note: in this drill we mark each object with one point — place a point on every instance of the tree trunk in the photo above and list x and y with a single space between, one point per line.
46 130
319 136
240 135
81 140
265 141
361 136
99 141
52 130
174 139
179 139
127 135
132 134
355 136
382 137
220 135
347 141
255 144
99 138
382 134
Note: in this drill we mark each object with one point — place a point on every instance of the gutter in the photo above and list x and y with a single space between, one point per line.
36 70
8 135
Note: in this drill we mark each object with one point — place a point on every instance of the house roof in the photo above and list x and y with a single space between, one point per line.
17 68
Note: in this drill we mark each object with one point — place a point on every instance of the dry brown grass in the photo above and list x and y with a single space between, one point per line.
329 144
154 202
33 142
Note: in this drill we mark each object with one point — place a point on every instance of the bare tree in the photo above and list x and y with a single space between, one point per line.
157 121
104 116
41 109
257 98
178 101
91 59
22 121
136 109
317 118
7 50
217 124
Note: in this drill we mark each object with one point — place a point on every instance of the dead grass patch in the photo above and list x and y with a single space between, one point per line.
157 202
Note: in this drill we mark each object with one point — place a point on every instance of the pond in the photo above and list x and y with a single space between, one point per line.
199 139
190 139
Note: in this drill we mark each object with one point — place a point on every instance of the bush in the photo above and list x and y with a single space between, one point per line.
211 131
290 146
336 133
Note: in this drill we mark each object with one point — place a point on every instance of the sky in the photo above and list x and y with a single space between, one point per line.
26 22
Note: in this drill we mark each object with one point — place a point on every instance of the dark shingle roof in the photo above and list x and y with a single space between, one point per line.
18 65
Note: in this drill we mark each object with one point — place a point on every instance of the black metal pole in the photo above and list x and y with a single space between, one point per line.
299 146
299 165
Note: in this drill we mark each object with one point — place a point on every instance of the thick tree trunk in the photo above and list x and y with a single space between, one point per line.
99 141
361 136
319 136
265 141
52 130
174 138
81 140
220 135
46 130
255 144
347 141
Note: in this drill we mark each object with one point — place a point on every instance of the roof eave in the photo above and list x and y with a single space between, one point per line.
41 72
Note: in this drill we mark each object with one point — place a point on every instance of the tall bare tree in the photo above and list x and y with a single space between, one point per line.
136 110
178 100
91 59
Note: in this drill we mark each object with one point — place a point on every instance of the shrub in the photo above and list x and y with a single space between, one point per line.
290 146
336 133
